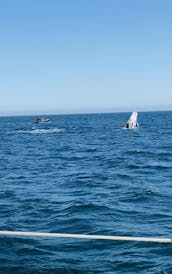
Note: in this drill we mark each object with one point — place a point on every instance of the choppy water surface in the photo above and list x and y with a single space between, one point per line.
85 174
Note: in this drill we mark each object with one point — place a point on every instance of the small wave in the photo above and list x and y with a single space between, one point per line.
130 129
41 131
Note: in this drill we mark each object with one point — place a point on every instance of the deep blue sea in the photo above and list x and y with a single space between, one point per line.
85 174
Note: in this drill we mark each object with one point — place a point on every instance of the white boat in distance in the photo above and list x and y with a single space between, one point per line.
132 121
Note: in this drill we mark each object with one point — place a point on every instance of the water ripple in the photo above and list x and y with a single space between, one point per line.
84 174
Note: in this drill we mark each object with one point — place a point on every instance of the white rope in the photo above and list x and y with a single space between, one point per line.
81 236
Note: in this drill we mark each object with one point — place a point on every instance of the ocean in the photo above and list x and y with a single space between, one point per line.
85 174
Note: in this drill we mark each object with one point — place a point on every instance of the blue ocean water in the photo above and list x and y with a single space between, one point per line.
85 174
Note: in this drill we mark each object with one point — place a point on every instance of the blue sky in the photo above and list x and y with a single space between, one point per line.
76 56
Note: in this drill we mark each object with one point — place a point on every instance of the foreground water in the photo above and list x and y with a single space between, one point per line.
85 174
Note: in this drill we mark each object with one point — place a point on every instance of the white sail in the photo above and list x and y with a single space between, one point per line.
132 121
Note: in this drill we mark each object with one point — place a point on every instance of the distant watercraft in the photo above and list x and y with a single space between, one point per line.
41 120
132 121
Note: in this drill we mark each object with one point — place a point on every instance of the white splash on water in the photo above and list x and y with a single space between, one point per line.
41 131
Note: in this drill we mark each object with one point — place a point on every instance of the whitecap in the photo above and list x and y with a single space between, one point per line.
41 131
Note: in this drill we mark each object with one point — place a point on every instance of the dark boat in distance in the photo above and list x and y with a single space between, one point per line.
41 120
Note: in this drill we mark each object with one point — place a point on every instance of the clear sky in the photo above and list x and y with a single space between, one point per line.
77 56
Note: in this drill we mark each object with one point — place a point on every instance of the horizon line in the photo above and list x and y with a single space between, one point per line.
83 113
